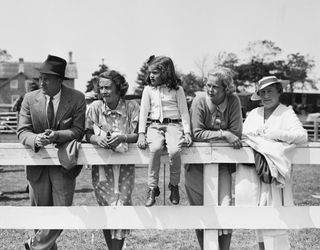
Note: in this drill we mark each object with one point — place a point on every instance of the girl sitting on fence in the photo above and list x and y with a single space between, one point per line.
164 105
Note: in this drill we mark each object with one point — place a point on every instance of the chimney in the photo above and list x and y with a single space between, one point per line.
70 57
21 66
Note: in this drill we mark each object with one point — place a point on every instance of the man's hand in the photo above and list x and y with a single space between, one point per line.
232 139
42 140
142 142
51 135
188 139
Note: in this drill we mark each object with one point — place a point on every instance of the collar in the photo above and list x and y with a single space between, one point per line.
213 107
55 97
120 109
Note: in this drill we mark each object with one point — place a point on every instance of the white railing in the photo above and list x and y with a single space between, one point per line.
209 217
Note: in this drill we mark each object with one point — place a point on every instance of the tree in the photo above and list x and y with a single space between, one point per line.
141 79
92 84
191 84
262 51
4 56
226 59
262 61
296 68
203 64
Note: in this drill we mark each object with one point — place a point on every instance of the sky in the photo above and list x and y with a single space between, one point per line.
126 32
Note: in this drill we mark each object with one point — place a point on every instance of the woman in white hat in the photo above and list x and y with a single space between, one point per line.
278 126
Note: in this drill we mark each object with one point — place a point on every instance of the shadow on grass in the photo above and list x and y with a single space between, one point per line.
16 192
84 190
7 198
10 170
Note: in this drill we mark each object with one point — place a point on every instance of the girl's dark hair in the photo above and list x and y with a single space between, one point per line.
118 79
166 67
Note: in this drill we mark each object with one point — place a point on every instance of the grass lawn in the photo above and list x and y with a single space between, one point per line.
12 182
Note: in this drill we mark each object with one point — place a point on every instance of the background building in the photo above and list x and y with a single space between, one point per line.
14 77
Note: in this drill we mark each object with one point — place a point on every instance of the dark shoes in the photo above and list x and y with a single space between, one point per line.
151 196
174 196
27 244
154 192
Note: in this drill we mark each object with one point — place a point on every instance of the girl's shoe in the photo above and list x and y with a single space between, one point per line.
174 196
151 196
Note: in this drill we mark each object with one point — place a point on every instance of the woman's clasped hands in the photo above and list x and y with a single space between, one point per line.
111 141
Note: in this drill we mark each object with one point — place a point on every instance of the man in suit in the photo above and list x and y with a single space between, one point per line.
53 114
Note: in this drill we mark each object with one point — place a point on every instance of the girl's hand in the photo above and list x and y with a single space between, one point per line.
232 139
188 139
142 142
114 140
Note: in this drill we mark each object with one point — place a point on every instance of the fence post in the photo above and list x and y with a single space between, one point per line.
210 197
316 130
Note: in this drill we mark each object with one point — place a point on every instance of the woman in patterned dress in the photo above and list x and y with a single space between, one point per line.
111 124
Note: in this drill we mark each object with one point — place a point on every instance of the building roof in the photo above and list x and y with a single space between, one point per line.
10 69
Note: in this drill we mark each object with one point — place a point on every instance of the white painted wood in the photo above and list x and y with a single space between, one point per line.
198 153
210 198
159 217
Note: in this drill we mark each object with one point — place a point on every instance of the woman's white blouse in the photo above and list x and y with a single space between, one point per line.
283 122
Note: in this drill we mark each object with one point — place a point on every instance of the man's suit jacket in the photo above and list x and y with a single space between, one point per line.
69 122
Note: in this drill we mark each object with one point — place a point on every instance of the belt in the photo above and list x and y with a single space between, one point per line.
166 120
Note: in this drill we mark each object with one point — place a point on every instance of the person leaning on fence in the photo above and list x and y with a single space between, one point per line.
52 114
31 86
271 130
215 115
164 101
111 124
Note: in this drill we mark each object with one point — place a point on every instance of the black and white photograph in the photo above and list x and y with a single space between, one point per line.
159 125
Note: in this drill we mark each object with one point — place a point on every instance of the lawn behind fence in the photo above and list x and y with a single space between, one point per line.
13 182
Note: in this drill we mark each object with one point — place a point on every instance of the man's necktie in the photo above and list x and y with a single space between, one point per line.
50 113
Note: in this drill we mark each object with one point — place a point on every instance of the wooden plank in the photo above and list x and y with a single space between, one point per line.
198 153
159 217
210 198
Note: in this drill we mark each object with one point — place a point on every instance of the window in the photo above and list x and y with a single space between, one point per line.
14 84
14 98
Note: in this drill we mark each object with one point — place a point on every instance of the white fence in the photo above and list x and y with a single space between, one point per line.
209 217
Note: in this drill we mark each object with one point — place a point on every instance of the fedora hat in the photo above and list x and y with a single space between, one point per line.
54 65
265 82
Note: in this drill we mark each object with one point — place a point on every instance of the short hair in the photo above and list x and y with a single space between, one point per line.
118 79
225 76
168 74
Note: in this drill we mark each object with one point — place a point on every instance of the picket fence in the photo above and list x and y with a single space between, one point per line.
209 217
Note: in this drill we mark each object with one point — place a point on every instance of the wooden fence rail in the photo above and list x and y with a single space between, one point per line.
8 122
209 217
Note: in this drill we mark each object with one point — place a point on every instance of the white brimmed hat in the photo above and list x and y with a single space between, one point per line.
265 82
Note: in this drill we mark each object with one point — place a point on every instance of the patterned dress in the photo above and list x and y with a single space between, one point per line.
102 121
